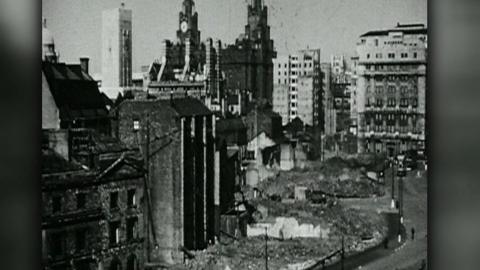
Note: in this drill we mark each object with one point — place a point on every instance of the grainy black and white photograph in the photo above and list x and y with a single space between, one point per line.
234 134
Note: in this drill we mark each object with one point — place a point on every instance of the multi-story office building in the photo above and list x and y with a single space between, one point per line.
338 64
116 50
353 95
298 87
391 89
329 115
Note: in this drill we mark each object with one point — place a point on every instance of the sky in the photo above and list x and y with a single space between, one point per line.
331 25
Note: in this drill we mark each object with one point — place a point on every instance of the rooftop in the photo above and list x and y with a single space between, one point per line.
408 29
75 92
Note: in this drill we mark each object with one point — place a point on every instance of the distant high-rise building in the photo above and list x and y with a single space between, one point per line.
188 67
329 114
391 87
298 87
116 50
338 64
248 64
48 45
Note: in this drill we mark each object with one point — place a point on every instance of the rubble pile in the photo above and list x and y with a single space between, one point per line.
249 253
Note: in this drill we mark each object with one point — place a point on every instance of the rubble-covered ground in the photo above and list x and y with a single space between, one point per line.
359 229
341 177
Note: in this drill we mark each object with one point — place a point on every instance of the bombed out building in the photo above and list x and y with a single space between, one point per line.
92 202
177 137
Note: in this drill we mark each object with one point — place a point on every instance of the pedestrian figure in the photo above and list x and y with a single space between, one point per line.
413 233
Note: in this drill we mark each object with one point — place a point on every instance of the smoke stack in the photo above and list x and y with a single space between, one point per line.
84 64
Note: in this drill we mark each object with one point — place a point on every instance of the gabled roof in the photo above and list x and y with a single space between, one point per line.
75 93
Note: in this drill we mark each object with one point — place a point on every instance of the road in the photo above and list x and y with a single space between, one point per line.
409 254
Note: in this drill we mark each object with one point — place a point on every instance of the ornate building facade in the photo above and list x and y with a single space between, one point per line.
248 64
391 89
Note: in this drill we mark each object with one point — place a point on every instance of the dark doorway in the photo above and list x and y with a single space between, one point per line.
115 264
132 263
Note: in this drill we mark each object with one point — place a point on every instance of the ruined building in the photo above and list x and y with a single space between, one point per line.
92 202
177 137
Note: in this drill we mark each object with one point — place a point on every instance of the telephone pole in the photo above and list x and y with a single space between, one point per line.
266 249
393 183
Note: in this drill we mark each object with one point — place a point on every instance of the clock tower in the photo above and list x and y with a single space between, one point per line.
188 24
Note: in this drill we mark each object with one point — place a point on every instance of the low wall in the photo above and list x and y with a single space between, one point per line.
287 228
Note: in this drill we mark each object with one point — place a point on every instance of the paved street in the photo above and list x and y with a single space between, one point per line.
408 255
411 254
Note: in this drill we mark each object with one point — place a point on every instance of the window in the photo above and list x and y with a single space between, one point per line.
414 55
378 55
279 73
279 81
113 200
80 239
131 228
376 42
81 198
414 102
379 102
114 232
57 244
404 55
131 197
250 155
368 56
136 125
391 55
56 204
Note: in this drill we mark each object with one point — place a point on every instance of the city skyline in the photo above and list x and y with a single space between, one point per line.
338 24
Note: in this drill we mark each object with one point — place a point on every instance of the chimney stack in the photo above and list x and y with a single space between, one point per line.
84 64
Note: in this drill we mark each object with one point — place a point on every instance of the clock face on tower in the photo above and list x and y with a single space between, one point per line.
184 26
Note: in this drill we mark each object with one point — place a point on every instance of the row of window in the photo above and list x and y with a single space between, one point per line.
81 200
392 55
391 89
305 65
392 102
59 239
392 42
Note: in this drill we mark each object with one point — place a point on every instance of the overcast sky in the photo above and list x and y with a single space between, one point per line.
331 25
